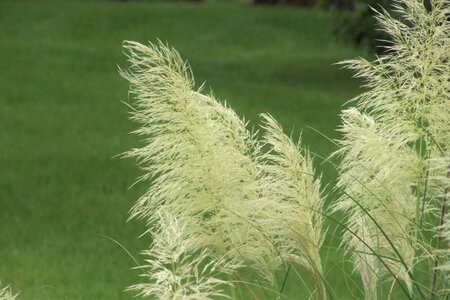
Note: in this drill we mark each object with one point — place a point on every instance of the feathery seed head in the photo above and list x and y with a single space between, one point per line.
296 206
177 268
398 126
207 170
199 156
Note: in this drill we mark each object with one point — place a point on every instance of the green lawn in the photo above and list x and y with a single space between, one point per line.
62 122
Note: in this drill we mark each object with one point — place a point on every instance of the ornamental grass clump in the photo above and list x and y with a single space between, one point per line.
399 127
208 171
223 199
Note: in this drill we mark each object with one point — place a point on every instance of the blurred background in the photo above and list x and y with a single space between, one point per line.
64 193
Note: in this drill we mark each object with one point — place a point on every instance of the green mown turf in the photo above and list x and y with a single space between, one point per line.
62 122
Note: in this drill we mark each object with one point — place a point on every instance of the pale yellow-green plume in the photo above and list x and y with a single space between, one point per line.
199 157
295 220
209 173
399 126
177 270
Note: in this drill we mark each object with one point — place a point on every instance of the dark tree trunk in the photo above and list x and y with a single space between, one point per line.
265 1
343 4
307 3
